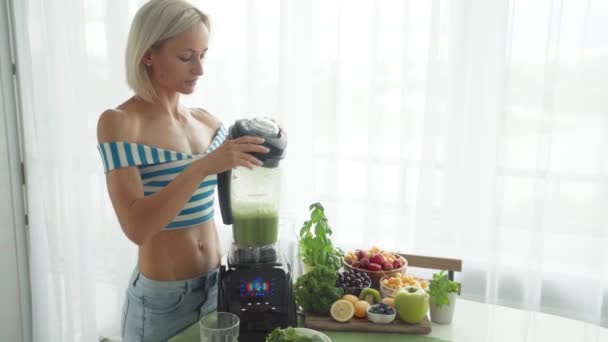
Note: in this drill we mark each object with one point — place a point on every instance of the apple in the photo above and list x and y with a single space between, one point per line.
412 304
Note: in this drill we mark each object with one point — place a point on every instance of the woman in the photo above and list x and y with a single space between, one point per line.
161 161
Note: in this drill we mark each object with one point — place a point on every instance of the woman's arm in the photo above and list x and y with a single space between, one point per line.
143 217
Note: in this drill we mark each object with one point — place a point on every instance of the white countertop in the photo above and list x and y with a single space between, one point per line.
475 321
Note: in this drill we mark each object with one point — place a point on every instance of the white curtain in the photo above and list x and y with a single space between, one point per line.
465 129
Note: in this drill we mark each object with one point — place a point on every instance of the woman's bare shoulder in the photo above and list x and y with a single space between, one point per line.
122 123
116 125
206 118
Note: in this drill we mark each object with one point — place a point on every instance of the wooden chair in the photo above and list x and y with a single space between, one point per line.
450 265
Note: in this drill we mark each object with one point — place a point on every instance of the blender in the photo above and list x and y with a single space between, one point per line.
255 281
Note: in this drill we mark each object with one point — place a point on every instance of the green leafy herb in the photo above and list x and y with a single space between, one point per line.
316 247
290 335
440 286
316 290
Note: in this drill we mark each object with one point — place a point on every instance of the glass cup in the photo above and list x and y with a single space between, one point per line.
219 327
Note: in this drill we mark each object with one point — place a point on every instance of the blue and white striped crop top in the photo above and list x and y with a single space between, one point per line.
158 167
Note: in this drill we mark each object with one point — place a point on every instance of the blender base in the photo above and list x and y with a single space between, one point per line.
260 294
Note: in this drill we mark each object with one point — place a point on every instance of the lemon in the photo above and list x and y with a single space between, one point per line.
342 310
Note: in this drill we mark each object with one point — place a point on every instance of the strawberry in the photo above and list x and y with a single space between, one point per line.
387 266
374 267
378 259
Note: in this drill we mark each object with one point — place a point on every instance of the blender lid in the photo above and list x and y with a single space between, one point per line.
267 128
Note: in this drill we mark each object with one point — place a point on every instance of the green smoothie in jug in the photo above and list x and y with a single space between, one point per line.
255 226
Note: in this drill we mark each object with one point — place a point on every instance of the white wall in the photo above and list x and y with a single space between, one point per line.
14 279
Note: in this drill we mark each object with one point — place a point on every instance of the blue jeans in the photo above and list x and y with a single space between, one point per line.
158 310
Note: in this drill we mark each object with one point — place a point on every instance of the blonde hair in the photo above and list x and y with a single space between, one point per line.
156 22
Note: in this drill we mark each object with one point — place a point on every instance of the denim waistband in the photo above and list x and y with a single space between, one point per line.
205 280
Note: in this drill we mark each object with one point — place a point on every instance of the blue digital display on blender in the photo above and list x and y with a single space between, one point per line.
256 288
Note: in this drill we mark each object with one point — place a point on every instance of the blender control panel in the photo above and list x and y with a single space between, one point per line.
257 288
261 292
261 295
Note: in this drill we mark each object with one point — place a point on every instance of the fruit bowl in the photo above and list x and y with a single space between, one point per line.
381 313
391 284
375 276
353 282
388 292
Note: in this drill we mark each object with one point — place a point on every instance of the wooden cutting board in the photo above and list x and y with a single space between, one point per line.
356 324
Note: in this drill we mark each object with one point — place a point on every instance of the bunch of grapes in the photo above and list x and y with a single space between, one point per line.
350 279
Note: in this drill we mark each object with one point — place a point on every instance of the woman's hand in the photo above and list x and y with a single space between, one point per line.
233 153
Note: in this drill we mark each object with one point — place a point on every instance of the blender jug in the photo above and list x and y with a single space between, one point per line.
249 199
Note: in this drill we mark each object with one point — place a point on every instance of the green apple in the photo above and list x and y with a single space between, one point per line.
412 304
